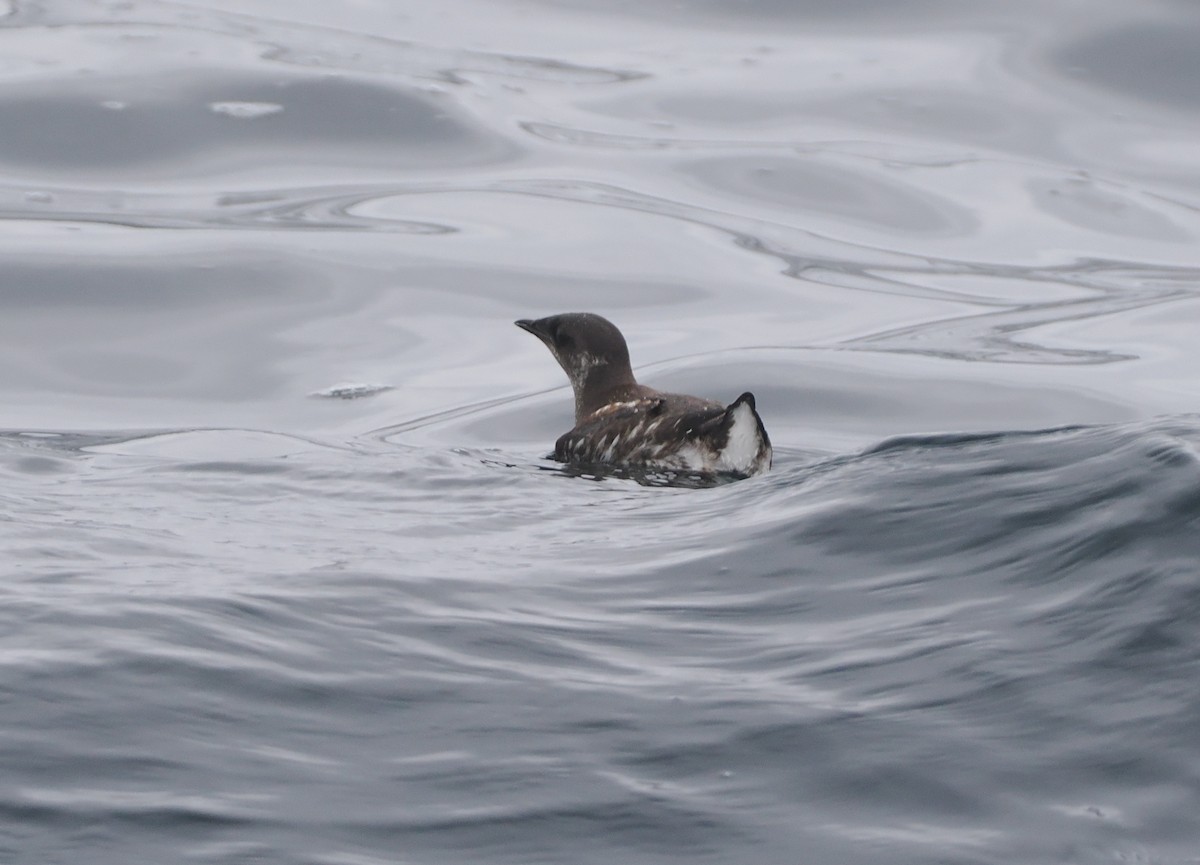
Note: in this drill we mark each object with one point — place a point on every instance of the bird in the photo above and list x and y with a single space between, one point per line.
625 425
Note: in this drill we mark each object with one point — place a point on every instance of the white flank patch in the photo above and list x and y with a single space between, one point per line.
741 452
690 458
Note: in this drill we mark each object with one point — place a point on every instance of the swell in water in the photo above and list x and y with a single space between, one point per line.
969 647
950 249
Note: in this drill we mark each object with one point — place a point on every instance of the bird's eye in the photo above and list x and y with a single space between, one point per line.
565 340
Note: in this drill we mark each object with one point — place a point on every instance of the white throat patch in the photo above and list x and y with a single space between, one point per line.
584 364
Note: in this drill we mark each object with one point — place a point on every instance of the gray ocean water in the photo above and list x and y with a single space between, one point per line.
285 576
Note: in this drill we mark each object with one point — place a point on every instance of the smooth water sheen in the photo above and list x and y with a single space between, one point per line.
287 578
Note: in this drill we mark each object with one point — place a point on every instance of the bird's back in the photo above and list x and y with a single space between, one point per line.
672 432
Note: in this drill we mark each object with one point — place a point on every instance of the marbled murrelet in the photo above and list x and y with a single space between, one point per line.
621 423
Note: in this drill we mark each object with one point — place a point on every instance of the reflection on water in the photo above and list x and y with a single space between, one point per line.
808 183
818 189
136 125
1143 61
289 578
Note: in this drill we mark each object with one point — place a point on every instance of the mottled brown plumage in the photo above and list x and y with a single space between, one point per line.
622 423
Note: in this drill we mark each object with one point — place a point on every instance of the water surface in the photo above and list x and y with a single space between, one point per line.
289 579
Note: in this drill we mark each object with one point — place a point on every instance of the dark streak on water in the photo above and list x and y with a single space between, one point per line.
288 579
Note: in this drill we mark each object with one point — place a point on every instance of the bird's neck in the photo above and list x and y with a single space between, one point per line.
602 385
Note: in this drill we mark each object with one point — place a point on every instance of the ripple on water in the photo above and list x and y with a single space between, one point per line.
315 119
954 624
